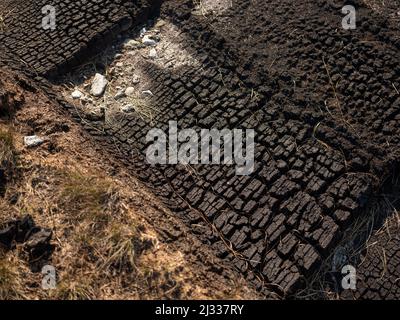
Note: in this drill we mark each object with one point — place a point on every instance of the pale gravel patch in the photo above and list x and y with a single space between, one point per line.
125 66
171 51
213 7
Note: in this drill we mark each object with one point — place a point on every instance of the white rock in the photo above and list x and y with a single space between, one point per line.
135 79
33 141
130 91
147 93
99 85
128 108
147 41
76 94
143 32
153 54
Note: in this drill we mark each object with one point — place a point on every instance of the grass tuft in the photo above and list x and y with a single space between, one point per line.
9 286
8 157
86 197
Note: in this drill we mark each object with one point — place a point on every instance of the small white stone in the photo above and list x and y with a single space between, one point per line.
33 141
130 91
76 94
99 85
143 32
147 41
153 54
147 93
135 79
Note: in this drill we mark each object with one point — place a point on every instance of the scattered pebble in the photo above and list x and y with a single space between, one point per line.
153 54
147 93
130 91
76 94
135 79
33 141
122 72
147 41
99 85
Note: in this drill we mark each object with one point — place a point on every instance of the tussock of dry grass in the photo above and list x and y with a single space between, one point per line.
7 279
8 156
144 109
86 197
10 283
